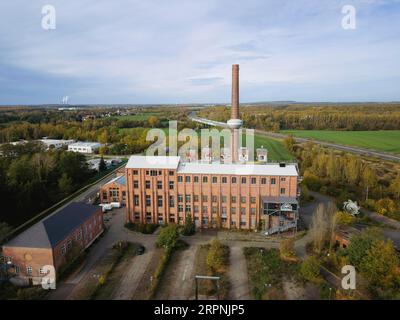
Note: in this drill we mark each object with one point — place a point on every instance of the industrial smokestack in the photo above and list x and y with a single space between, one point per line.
235 92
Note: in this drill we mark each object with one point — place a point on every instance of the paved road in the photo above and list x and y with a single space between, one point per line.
356 150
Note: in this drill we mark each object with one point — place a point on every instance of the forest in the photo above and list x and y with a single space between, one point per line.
32 179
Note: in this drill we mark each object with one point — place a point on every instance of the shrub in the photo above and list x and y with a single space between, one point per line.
146 228
309 269
189 228
343 218
286 248
217 257
168 237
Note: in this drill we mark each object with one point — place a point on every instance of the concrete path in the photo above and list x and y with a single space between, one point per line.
239 281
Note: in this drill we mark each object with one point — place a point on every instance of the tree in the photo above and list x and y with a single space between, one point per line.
289 143
102 165
65 184
322 226
379 263
153 121
168 237
395 186
369 180
217 257
343 218
189 227
309 269
360 244
5 229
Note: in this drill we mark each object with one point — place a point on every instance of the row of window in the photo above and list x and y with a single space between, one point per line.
204 198
214 179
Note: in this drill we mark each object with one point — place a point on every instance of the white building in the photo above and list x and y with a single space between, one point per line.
84 147
55 143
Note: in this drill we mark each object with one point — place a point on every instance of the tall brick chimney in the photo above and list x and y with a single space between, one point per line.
235 92
235 123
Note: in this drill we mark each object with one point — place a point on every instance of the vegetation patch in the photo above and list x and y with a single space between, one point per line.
146 228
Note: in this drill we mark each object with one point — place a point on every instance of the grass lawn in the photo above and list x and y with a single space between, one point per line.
388 140
276 149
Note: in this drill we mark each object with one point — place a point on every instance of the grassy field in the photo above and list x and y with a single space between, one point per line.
388 140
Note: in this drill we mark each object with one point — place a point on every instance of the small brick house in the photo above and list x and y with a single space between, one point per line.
51 240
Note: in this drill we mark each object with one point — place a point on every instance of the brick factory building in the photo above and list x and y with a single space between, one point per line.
244 196
114 191
50 241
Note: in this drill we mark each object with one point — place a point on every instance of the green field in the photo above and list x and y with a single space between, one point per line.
388 141
276 149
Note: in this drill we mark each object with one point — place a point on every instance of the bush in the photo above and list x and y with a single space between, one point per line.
286 248
168 237
146 228
343 218
309 269
217 257
189 228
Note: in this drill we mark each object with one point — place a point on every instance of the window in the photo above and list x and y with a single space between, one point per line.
196 179
147 172
171 173
187 178
263 180
204 198
196 198
214 179
153 173
214 198
233 210
159 201
69 243
29 270
180 178
135 172
188 208
136 199
253 180
135 184
180 208
205 179
16 268
223 199
148 200
234 179
253 211
224 179
243 179
180 198
187 198
253 199
214 209
283 190
233 199
196 209
242 199
148 185
283 179
223 210
104 194
159 172
159 185
42 272
63 251
273 181
171 185
171 201
204 209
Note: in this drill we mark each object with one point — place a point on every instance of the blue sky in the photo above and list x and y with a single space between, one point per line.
181 51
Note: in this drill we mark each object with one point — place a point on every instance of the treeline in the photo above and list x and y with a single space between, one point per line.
32 179
347 176
302 117
120 135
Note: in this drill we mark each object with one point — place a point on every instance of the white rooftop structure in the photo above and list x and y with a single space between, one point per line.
55 143
165 162
153 162
84 147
